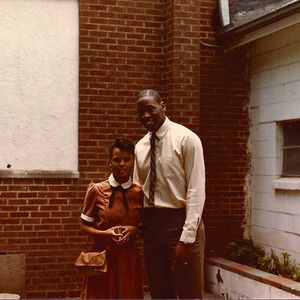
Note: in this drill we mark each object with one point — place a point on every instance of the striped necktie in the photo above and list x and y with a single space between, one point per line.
152 169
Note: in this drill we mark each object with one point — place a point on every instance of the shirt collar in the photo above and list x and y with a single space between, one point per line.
112 181
162 130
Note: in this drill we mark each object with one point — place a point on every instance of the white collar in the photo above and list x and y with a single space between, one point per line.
162 130
112 181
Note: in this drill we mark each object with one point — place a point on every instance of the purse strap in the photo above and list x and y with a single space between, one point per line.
89 237
86 244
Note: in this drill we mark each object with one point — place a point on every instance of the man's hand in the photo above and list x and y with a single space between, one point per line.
183 251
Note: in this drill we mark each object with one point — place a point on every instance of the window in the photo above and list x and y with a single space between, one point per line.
291 148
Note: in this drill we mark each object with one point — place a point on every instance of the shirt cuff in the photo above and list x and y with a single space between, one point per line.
87 218
188 236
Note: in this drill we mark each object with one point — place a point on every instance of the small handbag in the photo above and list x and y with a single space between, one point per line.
91 263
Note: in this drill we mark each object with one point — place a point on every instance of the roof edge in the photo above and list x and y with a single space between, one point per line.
230 36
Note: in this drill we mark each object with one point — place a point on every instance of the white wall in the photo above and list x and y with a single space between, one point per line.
39 84
275 97
236 285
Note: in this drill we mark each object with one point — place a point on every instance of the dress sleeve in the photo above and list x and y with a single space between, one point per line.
89 210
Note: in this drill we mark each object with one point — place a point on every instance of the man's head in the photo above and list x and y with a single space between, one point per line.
151 109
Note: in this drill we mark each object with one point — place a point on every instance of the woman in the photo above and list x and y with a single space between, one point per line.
111 215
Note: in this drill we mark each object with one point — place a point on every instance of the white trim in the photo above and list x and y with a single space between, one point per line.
87 218
112 181
286 183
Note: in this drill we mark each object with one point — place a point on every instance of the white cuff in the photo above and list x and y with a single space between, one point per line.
87 218
188 236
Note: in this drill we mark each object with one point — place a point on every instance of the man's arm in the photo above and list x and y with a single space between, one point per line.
195 180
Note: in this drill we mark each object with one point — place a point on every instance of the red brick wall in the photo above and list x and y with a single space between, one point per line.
120 53
39 217
182 59
224 129
126 46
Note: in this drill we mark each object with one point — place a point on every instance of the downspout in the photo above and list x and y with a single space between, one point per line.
224 12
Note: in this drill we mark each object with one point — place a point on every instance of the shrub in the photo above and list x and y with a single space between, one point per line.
245 252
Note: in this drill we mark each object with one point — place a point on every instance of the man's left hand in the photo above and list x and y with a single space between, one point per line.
183 251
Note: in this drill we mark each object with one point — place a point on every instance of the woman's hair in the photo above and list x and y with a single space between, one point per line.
123 144
151 93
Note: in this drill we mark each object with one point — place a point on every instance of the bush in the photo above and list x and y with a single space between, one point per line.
245 252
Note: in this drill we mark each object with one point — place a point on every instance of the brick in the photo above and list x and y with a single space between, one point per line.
126 46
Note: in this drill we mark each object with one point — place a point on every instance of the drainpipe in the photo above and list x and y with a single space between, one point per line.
224 12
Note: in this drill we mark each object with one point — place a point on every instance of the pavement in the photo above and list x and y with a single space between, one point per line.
211 296
207 296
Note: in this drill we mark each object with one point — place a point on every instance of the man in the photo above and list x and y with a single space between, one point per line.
169 166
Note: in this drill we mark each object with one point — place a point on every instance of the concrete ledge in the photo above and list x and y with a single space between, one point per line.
38 174
286 183
9 296
232 280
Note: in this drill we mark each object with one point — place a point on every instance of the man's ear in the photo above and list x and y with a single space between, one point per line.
163 106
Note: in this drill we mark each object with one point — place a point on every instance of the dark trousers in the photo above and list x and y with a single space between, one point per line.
170 278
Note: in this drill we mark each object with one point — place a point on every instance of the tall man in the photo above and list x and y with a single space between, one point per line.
169 166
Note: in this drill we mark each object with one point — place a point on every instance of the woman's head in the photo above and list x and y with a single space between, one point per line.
121 155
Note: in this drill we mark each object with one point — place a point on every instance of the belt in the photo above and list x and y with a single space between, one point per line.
163 211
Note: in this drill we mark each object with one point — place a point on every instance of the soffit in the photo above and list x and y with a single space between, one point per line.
252 19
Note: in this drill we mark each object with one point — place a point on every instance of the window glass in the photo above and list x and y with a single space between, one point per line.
291 148
291 134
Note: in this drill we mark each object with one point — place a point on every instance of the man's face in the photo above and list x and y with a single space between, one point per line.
151 113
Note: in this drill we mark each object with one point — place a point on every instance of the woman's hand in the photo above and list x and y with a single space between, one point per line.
121 234
129 232
114 233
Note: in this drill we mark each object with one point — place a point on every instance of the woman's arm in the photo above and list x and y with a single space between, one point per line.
109 233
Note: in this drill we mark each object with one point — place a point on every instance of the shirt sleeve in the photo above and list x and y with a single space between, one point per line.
135 177
195 180
89 210
138 177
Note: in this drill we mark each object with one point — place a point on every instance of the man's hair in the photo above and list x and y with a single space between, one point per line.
123 144
150 93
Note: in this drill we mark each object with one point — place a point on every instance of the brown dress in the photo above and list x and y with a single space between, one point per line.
124 277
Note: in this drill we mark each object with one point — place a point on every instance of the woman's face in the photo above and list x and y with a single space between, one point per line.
121 164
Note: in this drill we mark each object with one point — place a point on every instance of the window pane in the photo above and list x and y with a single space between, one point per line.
291 161
291 133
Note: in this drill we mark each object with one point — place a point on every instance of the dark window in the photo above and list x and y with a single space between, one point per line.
291 148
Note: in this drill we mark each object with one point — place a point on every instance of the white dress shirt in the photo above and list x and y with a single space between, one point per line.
180 172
